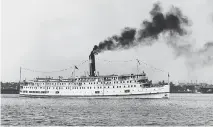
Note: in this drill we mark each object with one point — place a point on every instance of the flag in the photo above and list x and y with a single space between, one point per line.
76 67
138 61
168 74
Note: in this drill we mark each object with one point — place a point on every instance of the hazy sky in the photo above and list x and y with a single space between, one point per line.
49 35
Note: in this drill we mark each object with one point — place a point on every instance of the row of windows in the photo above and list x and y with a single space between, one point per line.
57 92
85 83
111 82
38 91
105 78
98 87
52 83
42 87
126 91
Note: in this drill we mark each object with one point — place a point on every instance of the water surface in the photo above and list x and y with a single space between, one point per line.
179 110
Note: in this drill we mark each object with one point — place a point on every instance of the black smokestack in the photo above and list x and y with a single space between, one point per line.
92 63
172 22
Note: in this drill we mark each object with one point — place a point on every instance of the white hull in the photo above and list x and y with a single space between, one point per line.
140 96
133 92
96 86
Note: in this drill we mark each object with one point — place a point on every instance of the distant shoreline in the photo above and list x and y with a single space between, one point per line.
14 87
9 91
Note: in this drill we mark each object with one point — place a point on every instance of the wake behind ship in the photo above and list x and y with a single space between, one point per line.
96 86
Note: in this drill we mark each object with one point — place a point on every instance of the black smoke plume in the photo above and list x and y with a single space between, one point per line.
172 22
125 40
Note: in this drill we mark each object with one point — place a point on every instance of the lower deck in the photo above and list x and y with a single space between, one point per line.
86 91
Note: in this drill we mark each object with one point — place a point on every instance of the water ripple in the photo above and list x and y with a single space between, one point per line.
179 110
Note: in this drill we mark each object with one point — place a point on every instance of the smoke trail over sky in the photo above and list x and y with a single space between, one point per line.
173 22
202 57
172 25
195 58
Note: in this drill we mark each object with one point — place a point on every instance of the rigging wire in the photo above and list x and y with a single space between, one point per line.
109 61
27 69
116 60
148 65
151 66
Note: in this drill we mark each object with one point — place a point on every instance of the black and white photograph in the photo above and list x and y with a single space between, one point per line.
106 63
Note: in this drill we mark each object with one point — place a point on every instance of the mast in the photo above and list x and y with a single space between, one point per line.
74 73
137 66
168 81
20 75
168 78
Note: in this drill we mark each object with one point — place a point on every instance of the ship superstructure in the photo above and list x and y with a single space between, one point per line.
96 86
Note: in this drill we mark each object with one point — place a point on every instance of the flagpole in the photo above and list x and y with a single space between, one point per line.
168 78
137 65
168 81
20 74
74 72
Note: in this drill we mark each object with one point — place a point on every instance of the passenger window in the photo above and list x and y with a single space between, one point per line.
97 91
126 91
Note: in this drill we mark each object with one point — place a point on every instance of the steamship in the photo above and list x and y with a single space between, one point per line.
95 86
